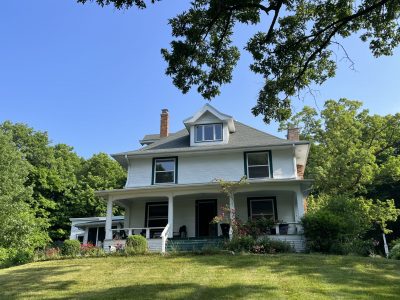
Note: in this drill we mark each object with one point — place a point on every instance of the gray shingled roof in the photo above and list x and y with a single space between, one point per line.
244 137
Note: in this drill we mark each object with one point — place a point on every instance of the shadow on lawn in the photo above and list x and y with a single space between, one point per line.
180 291
15 283
351 276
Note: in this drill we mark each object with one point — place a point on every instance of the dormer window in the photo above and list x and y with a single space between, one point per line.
208 132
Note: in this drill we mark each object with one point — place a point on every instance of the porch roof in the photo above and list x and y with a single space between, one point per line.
305 184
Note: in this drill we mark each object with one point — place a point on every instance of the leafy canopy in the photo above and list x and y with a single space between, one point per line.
62 184
350 149
295 48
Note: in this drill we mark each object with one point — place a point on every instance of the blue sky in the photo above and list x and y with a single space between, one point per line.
94 77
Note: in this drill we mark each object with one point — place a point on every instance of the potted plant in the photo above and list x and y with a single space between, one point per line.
223 220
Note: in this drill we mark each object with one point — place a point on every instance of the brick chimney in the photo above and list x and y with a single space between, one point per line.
293 134
164 124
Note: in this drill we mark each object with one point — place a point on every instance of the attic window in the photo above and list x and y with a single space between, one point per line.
208 133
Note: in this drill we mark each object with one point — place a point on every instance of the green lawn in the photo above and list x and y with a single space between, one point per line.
291 276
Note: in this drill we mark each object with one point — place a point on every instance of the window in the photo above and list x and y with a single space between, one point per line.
258 164
262 208
164 170
157 214
208 133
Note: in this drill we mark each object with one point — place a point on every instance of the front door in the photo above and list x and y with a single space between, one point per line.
206 210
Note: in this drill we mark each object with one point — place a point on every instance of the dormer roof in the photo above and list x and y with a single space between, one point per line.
208 109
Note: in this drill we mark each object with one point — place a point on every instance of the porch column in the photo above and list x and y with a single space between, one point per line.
109 220
299 209
127 217
86 235
231 213
171 216
300 204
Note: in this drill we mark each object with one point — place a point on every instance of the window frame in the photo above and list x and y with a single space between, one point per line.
269 198
246 164
214 135
148 204
153 173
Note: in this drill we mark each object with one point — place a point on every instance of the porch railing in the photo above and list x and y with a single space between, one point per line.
130 231
293 227
164 236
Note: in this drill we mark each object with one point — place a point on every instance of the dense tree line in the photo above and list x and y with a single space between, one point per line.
355 162
43 185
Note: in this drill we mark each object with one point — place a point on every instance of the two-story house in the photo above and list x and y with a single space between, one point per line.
171 190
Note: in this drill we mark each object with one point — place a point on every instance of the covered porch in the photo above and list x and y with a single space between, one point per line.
166 214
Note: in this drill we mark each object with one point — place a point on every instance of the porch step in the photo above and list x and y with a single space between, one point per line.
193 244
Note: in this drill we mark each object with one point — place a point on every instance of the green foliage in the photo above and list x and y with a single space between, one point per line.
338 224
62 183
136 244
350 148
267 246
241 244
18 227
257 227
12 256
295 47
395 252
71 248
354 153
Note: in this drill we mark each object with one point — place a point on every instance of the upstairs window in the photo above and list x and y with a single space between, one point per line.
164 170
208 133
258 164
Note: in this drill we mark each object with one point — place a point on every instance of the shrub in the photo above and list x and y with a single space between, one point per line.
267 246
395 252
91 250
22 257
136 244
4 257
241 244
258 227
71 248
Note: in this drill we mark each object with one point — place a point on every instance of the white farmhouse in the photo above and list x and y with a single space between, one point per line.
171 194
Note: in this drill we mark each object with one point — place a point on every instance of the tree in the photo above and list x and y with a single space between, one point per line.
354 154
19 229
350 148
294 49
62 183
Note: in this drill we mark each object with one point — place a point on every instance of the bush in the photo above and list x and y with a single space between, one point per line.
258 227
71 248
322 230
91 250
395 252
135 244
267 246
338 224
241 244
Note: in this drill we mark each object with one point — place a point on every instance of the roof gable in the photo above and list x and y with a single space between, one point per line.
208 110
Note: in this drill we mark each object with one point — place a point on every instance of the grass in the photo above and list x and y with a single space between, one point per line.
291 276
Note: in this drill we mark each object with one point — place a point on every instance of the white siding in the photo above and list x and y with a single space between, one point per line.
282 163
139 172
207 167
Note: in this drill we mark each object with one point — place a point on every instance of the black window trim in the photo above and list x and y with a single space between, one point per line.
271 198
153 170
147 210
207 141
246 172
